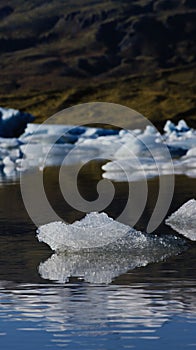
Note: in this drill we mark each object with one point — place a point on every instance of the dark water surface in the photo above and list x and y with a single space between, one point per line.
150 307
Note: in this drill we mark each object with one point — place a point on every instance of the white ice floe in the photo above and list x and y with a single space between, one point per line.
180 136
46 140
134 154
143 156
184 220
131 170
94 230
51 144
9 154
98 248
138 142
12 125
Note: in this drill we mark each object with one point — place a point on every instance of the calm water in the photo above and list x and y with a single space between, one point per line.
151 307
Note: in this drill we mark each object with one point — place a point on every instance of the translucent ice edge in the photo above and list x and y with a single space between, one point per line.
98 249
184 220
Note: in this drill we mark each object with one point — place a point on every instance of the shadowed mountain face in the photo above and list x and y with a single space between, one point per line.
139 53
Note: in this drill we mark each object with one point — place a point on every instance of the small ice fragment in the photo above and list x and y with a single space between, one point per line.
169 127
191 153
184 220
8 162
182 126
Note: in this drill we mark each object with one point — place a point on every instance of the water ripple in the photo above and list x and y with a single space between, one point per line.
86 315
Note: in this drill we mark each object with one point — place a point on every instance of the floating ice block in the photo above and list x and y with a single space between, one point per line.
184 220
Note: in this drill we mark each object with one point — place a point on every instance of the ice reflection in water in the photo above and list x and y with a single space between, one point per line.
105 263
86 317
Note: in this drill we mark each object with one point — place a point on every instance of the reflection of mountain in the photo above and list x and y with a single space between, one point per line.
140 53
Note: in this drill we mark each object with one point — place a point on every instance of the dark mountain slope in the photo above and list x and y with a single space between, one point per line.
139 53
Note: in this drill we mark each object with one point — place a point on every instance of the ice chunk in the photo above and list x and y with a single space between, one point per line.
136 164
94 230
190 153
68 132
8 163
9 143
136 169
52 129
37 154
120 176
102 146
171 127
184 220
9 154
179 137
182 126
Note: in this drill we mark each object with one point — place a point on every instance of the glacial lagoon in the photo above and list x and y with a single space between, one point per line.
147 305
137 292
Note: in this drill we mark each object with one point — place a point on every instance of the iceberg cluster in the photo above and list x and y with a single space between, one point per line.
133 160
12 125
184 220
98 249
132 154
44 145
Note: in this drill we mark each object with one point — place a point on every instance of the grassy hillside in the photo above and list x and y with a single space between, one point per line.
140 53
